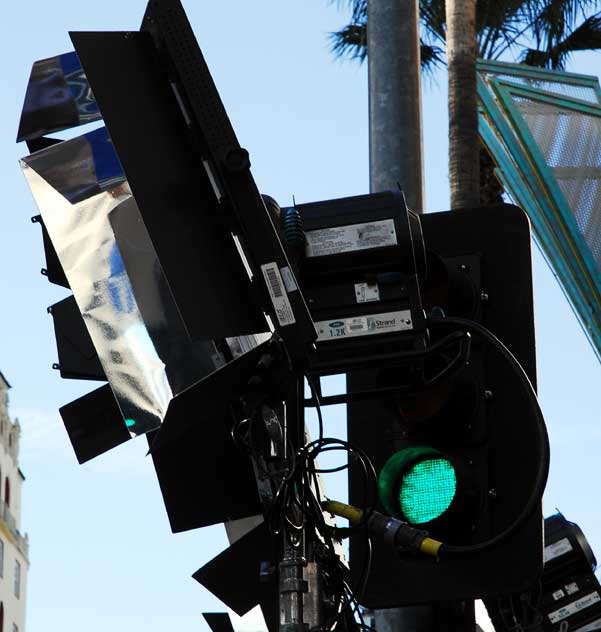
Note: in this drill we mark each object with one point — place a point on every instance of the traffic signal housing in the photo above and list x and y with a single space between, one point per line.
459 453
570 591
168 259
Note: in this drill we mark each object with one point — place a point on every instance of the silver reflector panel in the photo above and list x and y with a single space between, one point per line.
135 326
58 97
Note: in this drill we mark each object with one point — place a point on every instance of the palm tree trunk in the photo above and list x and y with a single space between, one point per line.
464 144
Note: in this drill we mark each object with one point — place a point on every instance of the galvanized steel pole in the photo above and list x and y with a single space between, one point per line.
395 153
395 121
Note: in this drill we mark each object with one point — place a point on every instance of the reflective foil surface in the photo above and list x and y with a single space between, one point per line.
58 97
117 281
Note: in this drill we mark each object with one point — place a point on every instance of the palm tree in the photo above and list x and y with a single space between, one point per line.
464 171
540 33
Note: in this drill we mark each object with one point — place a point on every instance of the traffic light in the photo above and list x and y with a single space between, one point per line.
418 483
177 272
570 591
567 596
459 449
186 303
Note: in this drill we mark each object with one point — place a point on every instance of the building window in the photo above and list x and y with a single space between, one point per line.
7 492
17 579
1 561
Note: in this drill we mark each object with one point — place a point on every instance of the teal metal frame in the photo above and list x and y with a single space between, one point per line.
523 170
505 91
540 74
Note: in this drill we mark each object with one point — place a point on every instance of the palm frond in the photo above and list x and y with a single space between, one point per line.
350 42
433 19
552 20
431 57
585 37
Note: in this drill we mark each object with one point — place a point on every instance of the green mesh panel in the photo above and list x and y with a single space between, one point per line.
427 490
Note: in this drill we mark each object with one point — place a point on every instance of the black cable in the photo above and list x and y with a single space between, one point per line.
541 430
317 405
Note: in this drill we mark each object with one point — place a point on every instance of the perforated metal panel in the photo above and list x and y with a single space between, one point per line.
584 93
543 129
570 142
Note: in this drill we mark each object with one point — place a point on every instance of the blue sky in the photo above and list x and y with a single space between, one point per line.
102 555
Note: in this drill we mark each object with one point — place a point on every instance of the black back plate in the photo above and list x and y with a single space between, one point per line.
205 478
500 238
234 576
179 207
218 621
94 423
77 357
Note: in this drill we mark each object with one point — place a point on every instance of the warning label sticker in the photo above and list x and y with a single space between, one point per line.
334 241
367 292
277 292
336 329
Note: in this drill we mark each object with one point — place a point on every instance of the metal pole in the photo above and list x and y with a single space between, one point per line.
395 157
292 587
395 121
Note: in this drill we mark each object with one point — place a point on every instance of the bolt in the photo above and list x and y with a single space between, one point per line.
463 268
483 297
237 160
470 462
408 321
488 394
492 493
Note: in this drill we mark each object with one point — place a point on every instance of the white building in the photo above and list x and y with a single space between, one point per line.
14 557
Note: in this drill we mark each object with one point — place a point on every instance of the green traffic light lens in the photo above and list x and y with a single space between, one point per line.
417 484
427 490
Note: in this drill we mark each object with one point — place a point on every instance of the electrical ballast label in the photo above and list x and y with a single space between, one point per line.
556 549
339 328
575 606
334 241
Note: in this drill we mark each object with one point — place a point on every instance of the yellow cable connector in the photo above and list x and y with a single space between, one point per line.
430 547
353 514
398 533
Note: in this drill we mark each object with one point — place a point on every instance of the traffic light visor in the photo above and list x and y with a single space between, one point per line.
417 483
